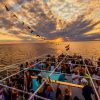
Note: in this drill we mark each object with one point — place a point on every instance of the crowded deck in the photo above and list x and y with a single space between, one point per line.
50 77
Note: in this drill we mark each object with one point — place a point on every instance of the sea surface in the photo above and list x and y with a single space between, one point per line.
14 53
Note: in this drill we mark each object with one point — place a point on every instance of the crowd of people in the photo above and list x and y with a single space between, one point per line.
49 92
57 93
74 66
15 82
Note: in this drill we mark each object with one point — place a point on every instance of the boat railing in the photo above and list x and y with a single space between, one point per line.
16 65
94 66
31 59
15 68
25 69
42 57
12 69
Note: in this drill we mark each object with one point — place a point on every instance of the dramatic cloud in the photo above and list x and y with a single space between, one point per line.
49 20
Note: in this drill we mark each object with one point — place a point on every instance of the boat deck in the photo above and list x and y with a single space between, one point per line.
54 74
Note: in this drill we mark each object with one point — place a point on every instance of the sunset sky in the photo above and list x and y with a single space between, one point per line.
49 20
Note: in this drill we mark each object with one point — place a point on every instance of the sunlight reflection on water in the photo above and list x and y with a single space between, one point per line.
13 53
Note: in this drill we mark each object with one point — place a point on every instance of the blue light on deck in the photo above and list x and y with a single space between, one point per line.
55 77
35 84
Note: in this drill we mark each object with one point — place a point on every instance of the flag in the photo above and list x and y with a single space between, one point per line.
22 22
38 35
15 16
7 9
49 80
67 47
32 31
28 27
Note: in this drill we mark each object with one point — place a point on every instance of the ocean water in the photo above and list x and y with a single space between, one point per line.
13 53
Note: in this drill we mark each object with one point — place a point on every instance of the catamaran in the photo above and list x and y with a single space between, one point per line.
27 80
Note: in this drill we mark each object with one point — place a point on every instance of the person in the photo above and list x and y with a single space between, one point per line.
76 98
14 94
49 93
96 75
90 62
42 65
7 91
63 68
41 92
75 78
68 69
67 94
58 93
59 69
26 65
97 85
31 65
39 78
82 70
37 66
87 91
1 93
53 59
20 95
52 67
83 80
61 77
7 94
29 81
21 69
98 62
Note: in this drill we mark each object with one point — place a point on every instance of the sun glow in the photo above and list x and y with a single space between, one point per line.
56 40
8 37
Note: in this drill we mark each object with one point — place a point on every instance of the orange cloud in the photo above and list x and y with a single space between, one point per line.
98 39
56 40
8 37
